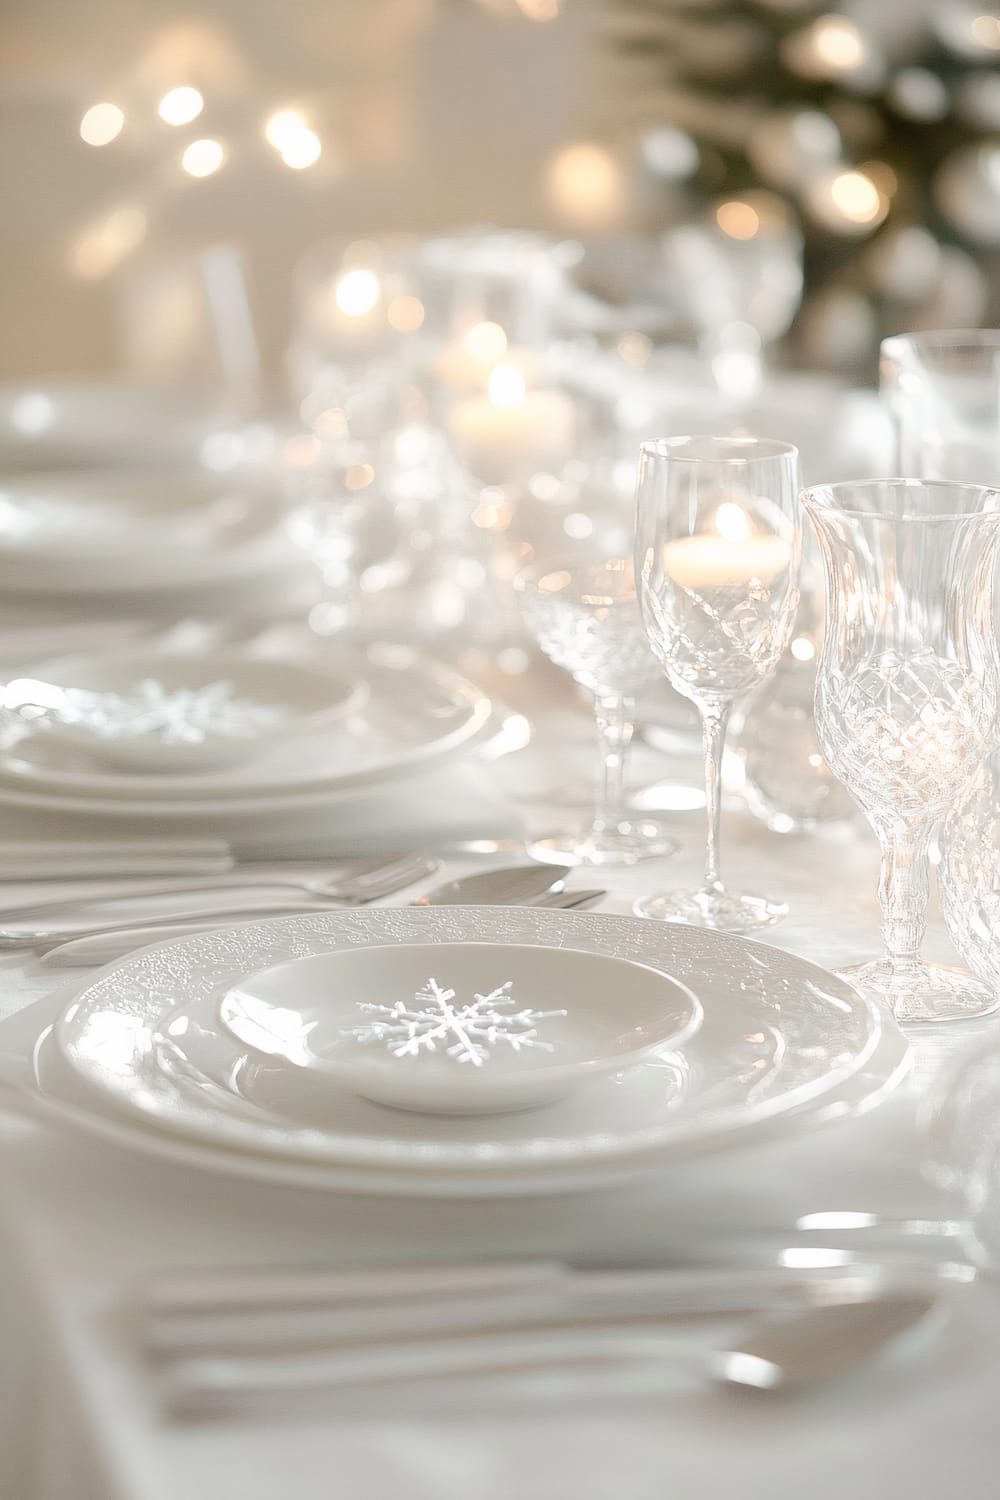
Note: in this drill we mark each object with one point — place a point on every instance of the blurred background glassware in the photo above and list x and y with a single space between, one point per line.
907 696
969 874
717 554
342 519
737 276
786 780
357 316
585 617
943 390
959 1121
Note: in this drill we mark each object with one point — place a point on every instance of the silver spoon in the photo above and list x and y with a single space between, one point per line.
512 886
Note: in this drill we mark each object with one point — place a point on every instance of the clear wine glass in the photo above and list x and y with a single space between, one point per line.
717 552
585 617
907 694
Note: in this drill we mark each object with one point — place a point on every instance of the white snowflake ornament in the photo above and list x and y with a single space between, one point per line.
467 1033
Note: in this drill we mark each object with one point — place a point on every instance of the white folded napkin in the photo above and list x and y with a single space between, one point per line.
64 859
451 804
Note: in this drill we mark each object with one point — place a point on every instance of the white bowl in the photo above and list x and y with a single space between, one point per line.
387 1022
266 700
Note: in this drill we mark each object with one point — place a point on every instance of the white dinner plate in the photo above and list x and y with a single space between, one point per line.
780 1036
119 531
416 712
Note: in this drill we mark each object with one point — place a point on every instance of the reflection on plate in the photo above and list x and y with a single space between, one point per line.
779 1036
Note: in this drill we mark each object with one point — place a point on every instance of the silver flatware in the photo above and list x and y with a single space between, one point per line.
777 1351
571 900
277 1310
104 946
788 1350
351 891
514 886
325 880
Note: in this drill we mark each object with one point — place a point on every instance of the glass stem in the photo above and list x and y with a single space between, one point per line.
713 729
615 727
902 894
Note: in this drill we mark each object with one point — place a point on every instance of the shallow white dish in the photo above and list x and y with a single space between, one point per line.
779 1036
287 697
416 713
122 531
470 1029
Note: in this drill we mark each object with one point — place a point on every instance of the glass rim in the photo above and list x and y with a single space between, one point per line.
942 339
822 497
529 573
766 448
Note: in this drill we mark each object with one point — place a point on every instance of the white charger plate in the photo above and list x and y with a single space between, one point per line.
119 531
781 1039
416 712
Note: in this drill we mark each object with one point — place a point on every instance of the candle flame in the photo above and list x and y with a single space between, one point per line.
506 387
732 523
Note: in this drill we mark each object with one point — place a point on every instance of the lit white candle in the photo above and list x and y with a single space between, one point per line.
511 432
706 561
730 556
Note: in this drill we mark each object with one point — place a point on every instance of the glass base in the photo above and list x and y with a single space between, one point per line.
924 992
722 911
626 843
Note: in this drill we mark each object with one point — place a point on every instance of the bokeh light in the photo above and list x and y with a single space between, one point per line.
180 106
102 124
203 157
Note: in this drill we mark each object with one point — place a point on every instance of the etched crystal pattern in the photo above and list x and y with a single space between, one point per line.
970 875
905 732
721 640
604 646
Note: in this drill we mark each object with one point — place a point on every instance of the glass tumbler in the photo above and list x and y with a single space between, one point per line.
906 695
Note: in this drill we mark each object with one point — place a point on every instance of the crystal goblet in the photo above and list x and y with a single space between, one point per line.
906 695
717 553
585 617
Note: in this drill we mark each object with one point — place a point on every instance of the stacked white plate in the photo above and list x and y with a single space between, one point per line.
70 423
146 542
144 1057
371 718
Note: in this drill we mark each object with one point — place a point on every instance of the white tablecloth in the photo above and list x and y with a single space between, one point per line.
81 1224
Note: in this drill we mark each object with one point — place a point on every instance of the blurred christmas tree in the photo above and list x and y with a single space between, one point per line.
878 125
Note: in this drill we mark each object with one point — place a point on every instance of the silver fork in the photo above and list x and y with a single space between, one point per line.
351 890
102 947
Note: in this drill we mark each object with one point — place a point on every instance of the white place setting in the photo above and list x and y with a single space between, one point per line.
387 1100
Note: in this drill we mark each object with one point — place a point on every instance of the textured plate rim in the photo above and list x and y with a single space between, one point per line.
721 1125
